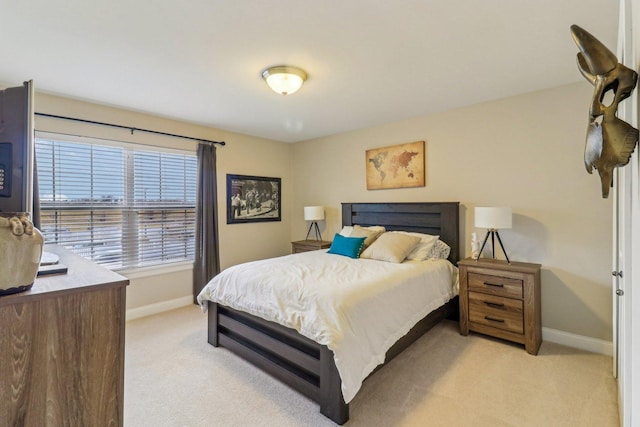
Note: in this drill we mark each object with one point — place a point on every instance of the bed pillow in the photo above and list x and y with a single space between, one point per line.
346 246
391 247
348 229
440 250
422 249
370 234
377 228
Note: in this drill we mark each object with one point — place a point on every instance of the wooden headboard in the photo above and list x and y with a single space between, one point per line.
441 219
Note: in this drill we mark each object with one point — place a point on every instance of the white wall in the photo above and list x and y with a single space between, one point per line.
525 152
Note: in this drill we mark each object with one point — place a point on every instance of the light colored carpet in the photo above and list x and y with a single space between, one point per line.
173 377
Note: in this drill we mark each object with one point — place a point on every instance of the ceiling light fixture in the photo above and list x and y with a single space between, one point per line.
284 79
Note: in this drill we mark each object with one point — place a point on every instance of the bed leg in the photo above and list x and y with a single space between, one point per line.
331 401
212 311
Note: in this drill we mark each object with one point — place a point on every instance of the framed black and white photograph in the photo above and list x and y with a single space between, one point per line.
253 199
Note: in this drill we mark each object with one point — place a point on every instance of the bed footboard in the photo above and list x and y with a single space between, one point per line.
299 362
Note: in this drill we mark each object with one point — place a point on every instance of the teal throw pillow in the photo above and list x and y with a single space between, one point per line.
347 246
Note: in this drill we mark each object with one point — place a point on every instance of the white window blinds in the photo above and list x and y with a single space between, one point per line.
124 206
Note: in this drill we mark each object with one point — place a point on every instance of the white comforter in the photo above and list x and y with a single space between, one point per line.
358 308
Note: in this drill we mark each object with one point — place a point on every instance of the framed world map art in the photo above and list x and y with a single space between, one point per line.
398 166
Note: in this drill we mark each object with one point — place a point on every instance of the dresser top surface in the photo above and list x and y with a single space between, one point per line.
82 274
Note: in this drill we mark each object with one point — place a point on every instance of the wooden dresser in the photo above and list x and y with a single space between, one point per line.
501 300
309 245
62 357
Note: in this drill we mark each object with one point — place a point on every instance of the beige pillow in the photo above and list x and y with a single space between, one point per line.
348 229
391 247
371 235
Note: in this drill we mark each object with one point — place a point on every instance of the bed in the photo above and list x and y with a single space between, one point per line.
301 362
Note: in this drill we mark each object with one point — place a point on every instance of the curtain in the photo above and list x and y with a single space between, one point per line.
207 259
35 215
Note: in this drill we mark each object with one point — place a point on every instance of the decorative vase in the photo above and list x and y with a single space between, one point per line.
20 252
475 246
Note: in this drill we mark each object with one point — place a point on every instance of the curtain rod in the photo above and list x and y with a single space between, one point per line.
132 129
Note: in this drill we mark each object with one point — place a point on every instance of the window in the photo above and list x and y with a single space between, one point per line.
120 205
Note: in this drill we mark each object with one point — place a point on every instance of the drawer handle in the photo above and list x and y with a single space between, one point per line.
493 319
494 304
497 285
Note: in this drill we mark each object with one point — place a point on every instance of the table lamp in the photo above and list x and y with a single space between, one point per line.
314 214
493 218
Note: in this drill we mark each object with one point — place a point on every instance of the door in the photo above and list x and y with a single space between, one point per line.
626 237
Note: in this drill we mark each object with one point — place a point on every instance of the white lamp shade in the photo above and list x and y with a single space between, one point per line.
493 217
314 213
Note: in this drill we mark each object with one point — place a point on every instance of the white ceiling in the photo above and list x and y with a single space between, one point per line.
369 61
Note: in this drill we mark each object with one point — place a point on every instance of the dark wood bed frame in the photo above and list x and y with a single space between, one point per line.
306 365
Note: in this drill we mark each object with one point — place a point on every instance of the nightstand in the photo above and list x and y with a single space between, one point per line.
501 300
309 245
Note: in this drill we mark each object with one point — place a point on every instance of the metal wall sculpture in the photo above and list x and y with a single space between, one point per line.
610 140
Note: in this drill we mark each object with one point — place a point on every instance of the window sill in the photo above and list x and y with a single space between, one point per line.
156 270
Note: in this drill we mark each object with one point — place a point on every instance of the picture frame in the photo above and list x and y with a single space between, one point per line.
253 199
396 166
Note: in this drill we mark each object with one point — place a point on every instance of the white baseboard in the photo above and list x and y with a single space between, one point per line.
159 307
592 345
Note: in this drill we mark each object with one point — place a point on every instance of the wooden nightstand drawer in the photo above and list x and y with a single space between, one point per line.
495 285
498 312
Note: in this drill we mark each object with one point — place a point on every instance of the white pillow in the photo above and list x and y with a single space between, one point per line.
392 247
346 231
422 249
